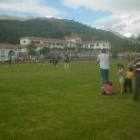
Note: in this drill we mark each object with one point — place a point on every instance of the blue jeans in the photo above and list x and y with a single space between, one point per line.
104 75
127 84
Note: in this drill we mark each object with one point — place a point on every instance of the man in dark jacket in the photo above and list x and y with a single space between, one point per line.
66 62
137 79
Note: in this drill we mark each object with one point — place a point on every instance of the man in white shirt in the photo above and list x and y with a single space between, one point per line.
103 59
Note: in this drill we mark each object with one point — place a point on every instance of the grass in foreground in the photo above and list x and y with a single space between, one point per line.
43 103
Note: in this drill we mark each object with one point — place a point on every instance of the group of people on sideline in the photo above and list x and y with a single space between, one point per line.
125 79
55 61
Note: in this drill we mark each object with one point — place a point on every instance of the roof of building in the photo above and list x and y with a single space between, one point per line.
10 46
46 39
95 41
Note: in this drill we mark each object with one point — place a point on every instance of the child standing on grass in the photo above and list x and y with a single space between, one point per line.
120 74
128 80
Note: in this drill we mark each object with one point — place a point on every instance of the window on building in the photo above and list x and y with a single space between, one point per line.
97 44
65 45
2 53
35 42
18 49
92 45
104 45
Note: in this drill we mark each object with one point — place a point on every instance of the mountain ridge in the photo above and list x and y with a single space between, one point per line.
12 30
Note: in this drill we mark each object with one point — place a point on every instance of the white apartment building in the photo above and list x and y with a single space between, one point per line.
52 43
67 42
97 45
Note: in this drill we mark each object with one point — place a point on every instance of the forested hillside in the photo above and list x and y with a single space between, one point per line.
12 30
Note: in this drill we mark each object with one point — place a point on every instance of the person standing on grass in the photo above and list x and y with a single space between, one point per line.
130 59
17 60
103 60
128 80
120 75
137 79
66 62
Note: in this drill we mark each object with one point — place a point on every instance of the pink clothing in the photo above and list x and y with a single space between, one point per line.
108 88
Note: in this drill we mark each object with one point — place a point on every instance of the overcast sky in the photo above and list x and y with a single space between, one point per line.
122 16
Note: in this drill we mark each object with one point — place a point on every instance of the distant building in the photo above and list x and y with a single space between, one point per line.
74 38
75 43
69 42
6 48
97 45
52 43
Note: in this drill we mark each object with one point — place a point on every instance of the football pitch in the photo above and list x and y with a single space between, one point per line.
41 102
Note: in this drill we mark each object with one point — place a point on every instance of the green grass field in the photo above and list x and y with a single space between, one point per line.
43 103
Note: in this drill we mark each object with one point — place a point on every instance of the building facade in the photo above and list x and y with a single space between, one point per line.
67 42
6 49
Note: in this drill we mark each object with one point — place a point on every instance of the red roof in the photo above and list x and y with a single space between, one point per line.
10 46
